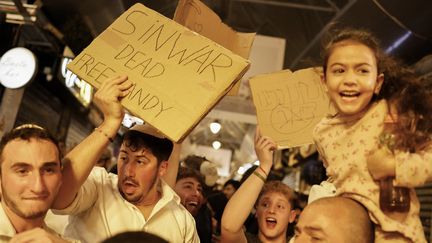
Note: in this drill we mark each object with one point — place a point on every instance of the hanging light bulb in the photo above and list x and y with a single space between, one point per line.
215 127
216 145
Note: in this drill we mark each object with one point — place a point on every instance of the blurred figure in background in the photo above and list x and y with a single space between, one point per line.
105 159
230 187
216 203
189 187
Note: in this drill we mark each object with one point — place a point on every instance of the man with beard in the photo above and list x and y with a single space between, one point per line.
30 177
104 204
274 207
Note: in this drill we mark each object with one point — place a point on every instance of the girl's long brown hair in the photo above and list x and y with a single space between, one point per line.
410 94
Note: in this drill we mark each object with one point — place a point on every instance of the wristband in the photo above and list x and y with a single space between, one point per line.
259 167
259 176
106 135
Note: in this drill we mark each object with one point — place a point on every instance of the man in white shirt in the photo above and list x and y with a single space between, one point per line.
137 199
30 177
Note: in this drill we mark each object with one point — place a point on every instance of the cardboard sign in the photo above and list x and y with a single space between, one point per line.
196 16
178 75
289 105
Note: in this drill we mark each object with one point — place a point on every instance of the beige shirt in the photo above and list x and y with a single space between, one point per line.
99 211
345 143
7 231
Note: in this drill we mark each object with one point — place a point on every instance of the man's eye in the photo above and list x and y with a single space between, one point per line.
316 239
22 172
141 161
49 170
338 70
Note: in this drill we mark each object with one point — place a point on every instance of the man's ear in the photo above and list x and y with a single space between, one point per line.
292 215
163 168
379 83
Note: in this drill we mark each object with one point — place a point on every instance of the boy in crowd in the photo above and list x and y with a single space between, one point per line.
274 207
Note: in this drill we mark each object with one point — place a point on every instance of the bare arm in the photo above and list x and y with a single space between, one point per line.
241 203
79 162
173 166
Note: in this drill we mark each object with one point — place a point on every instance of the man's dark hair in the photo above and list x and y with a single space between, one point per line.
234 183
161 148
185 172
135 236
27 132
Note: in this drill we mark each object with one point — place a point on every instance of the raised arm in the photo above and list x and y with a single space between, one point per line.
173 166
241 203
78 163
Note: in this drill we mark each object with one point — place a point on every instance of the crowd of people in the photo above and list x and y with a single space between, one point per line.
152 198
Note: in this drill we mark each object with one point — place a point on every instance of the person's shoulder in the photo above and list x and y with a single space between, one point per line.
6 228
322 126
100 174
376 112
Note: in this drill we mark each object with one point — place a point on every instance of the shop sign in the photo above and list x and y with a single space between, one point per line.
79 88
18 67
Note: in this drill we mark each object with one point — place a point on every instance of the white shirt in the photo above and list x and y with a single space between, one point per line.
99 211
7 231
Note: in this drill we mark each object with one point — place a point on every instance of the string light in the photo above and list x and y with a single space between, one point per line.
215 127
216 145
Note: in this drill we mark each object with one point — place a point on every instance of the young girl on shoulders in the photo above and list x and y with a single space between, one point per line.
369 89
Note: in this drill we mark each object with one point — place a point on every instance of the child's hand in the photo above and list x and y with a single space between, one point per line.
381 163
264 147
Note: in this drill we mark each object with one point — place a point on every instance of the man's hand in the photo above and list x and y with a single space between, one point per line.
109 95
37 235
381 163
264 147
78 163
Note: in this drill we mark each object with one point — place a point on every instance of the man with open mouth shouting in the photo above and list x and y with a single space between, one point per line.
103 204
189 188
274 207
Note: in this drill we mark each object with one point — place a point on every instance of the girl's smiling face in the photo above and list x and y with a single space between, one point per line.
352 77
